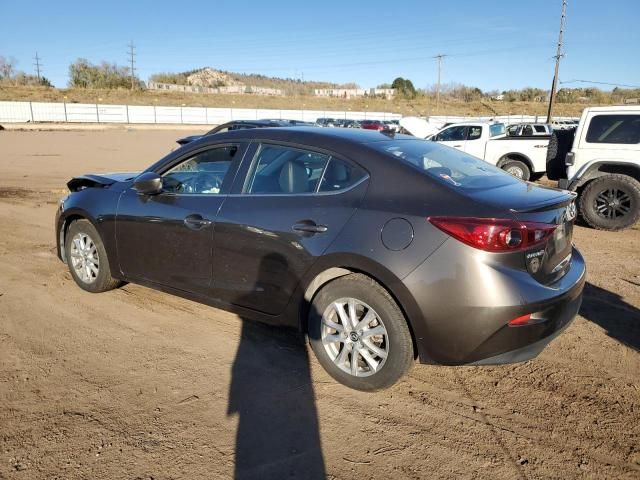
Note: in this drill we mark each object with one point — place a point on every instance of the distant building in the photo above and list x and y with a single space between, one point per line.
233 89
498 98
631 101
353 92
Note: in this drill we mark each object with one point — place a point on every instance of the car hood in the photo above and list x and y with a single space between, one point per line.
99 180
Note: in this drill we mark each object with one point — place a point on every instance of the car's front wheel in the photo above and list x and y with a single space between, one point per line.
517 168
359 334
87 258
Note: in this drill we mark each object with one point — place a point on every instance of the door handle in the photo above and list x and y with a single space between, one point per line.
457 146
196 222
310 227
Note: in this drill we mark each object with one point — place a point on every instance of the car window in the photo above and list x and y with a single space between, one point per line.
340 175
496 129
451 134
527 130
540 128
623 129
475 132
512 130
278 169
202 173
447 165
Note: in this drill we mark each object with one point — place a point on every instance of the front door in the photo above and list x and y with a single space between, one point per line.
289 206
474 145
168 238
455 137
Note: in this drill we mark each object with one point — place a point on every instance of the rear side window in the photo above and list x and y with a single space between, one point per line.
623 129
340 175
278 169
475 132
540 129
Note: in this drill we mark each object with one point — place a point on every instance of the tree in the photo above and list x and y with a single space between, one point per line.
404 87
7 67
83 74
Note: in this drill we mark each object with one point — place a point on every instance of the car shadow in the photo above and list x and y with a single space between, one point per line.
620 320
272 394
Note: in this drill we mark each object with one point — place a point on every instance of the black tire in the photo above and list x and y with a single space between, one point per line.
517 166
593 207
103 281
400 355
560 144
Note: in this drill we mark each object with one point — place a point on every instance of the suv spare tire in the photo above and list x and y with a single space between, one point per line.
559 145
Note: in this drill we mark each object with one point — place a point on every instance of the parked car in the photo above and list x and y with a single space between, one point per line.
393 125
351 124
381 248
373 125
522 157
326 122
600 160
529 130
240 125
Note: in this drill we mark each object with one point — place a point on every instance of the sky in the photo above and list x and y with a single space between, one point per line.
489 44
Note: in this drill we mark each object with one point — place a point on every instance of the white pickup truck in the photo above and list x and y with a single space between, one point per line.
600 160
522 157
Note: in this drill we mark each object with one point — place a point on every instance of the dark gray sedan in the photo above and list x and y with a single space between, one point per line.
382 248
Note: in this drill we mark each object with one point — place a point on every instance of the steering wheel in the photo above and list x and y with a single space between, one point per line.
205 182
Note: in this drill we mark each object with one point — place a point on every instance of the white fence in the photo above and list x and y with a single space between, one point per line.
19 112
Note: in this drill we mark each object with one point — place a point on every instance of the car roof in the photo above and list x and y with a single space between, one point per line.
313 136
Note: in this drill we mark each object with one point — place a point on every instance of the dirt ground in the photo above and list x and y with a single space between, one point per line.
135 383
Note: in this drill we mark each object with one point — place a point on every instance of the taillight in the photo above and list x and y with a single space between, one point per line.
494 234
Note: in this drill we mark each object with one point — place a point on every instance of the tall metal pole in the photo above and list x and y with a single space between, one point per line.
439 57
37 65
558 56
132 61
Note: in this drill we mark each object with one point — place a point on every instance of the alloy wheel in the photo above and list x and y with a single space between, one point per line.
84 257
613 203
354 337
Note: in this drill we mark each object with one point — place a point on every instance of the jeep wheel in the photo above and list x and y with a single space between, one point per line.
611 202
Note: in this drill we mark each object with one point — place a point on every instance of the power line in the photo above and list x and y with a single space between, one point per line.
38 65
558 56
601 83
132 55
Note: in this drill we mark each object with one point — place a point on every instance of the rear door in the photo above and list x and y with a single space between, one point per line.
168 238
288 204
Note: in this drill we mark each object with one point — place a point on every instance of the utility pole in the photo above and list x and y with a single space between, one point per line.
558 56
439 57
132 56
38 65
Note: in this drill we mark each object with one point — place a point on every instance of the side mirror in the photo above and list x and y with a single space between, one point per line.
149 183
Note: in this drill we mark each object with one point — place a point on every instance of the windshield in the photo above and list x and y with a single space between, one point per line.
446 164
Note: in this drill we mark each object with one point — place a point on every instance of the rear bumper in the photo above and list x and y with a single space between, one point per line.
466 303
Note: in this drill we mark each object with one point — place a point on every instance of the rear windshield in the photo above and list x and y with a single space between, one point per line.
446 164
614 129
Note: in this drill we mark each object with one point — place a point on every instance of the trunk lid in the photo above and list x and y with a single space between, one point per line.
527 202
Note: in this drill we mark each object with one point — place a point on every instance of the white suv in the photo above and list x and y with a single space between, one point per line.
601 161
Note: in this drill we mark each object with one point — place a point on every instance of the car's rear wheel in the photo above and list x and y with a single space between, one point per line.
87 258
517 168
611 202
359 334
